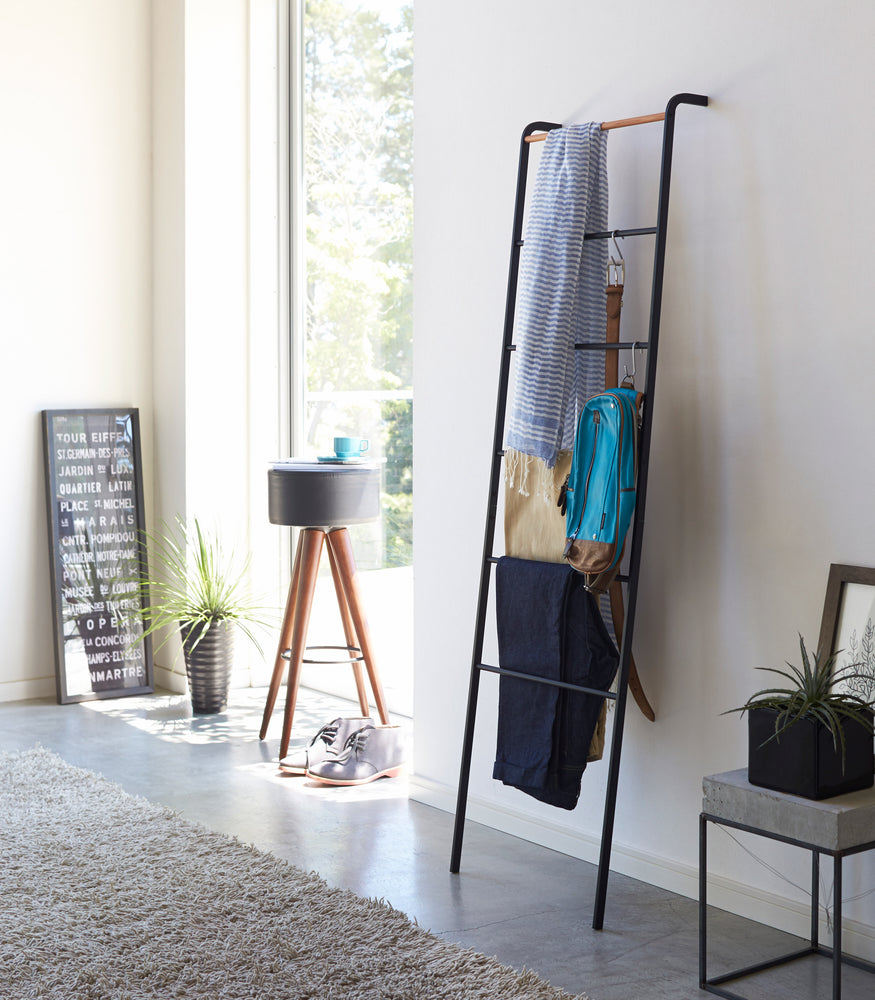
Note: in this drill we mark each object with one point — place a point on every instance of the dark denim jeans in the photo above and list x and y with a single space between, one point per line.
550 626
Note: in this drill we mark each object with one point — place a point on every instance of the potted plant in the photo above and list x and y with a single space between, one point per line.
813 738
200 590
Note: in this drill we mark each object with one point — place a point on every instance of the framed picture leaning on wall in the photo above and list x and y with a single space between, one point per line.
97 554
848 624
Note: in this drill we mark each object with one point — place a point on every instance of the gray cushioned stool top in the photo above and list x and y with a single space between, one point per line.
324 495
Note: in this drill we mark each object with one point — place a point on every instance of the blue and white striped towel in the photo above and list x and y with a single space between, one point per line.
561 298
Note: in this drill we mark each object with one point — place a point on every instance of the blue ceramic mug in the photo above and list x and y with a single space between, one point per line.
349 447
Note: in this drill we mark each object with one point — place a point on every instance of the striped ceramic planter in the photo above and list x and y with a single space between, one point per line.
208 664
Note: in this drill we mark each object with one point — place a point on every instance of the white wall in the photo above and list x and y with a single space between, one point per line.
75 274
760 475
125 267
202 275
169 253
216 258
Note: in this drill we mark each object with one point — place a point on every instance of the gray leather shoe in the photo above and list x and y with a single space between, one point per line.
335 732
367 754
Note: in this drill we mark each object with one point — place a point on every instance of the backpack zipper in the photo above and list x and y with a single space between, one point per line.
596 419
619 452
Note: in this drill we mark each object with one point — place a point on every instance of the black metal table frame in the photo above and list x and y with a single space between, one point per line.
714 984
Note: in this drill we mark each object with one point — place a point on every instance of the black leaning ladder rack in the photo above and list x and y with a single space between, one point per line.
630 579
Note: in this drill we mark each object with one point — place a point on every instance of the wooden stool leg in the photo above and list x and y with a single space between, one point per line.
311 551
285 640
349 633
340 544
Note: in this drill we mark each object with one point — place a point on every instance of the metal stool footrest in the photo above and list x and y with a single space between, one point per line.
355 655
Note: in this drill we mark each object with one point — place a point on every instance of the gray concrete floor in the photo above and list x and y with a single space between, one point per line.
524 904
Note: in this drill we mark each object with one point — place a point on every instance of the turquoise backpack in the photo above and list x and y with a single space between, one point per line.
598 497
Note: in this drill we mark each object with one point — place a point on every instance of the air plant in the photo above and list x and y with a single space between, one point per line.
197 586
813 694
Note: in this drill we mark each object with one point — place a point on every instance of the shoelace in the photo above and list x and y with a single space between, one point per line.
328 733
354 743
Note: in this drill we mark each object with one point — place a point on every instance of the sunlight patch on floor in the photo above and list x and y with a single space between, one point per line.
169 717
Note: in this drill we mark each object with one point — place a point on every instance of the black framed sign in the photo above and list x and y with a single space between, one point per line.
96 524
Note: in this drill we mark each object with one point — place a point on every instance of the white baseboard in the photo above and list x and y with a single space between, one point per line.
170 680
166 679
727 894
42 687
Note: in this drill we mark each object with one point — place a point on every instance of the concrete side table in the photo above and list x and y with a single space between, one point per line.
322 499
834 827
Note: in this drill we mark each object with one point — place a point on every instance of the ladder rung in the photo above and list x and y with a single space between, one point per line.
623 345
647 231
546 680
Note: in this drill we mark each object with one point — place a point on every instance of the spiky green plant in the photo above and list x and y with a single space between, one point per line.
812 695
198 585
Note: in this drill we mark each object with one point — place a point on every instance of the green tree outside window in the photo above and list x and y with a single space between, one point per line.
358 172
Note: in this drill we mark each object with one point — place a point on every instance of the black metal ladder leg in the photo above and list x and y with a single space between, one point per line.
465 773
598 917
640 508
470 716
640 504
494 487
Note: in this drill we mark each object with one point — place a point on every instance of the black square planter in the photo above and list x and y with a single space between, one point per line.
803 761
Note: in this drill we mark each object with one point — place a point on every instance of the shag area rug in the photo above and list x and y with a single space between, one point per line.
106 896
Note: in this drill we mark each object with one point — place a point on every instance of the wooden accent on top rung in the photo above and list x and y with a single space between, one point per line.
607 126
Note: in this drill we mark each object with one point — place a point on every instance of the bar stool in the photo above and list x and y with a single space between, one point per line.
322 500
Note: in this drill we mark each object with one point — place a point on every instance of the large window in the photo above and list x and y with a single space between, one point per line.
358 204
351 250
